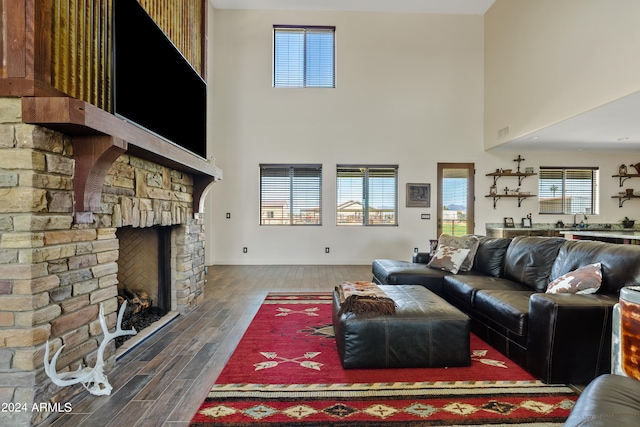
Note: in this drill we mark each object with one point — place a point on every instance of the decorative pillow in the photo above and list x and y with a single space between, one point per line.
448 258
467 241
584 280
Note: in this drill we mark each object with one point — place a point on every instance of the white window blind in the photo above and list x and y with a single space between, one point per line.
290 194
367 195
566 190
303 56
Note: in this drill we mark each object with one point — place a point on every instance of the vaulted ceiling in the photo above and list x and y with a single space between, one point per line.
615 126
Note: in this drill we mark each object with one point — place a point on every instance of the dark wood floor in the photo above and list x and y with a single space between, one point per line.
163 381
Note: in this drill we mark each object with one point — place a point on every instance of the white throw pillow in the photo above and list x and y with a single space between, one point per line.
584 280
468 241
448 258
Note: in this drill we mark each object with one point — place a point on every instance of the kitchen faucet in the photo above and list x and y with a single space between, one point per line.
584 222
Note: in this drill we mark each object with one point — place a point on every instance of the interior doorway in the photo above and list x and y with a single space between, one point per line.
455 199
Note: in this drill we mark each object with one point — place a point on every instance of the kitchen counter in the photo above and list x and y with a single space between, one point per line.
511 232
613 236
605 232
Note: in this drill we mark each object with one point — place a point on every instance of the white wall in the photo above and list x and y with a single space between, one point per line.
409 92
549 60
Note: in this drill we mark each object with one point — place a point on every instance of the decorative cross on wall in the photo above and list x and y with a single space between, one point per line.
519 159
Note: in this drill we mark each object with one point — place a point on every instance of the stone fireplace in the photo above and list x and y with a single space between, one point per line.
74 175
59 263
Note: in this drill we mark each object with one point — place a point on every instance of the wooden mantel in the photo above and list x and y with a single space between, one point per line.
99 138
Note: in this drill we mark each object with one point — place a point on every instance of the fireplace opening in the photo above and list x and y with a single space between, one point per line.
144 274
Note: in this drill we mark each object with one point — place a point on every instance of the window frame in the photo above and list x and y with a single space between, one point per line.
366 195
446 171
292 201
305 29
566 192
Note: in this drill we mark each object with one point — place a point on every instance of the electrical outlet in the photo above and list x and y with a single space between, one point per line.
228 215
415 250
326 250
244 250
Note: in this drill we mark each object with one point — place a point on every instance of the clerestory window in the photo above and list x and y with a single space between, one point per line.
303 56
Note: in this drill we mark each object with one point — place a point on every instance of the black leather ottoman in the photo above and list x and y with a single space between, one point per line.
425 332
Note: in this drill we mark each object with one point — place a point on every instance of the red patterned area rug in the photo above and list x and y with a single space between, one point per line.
286 372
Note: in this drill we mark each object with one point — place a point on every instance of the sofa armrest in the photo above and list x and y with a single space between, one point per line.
421 257
609 400
569 337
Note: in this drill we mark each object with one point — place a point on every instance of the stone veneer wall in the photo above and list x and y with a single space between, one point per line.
54 274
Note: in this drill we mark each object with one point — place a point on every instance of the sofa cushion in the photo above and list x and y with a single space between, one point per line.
448 258
584 280
509 309
464 288
462 242
529 260
620 263
392 272
490 255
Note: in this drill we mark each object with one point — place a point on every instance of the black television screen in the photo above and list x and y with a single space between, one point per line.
154 86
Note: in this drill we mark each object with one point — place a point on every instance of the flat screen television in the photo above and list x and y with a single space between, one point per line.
154 86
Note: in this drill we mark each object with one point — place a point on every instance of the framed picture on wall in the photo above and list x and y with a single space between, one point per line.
418 195
508 222
526 222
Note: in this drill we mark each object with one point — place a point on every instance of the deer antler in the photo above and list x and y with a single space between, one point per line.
93 379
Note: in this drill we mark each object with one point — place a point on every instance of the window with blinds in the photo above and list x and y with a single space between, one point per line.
290 194
565 190
303 56
367 195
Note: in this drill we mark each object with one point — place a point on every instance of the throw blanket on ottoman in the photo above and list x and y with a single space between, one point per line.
364 299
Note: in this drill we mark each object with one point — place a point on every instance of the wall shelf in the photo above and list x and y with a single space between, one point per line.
622 199
520 197
519 175
626 176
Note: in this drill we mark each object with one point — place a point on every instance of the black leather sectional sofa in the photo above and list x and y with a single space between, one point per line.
559 338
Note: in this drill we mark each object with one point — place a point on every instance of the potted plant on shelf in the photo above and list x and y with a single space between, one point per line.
628 223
